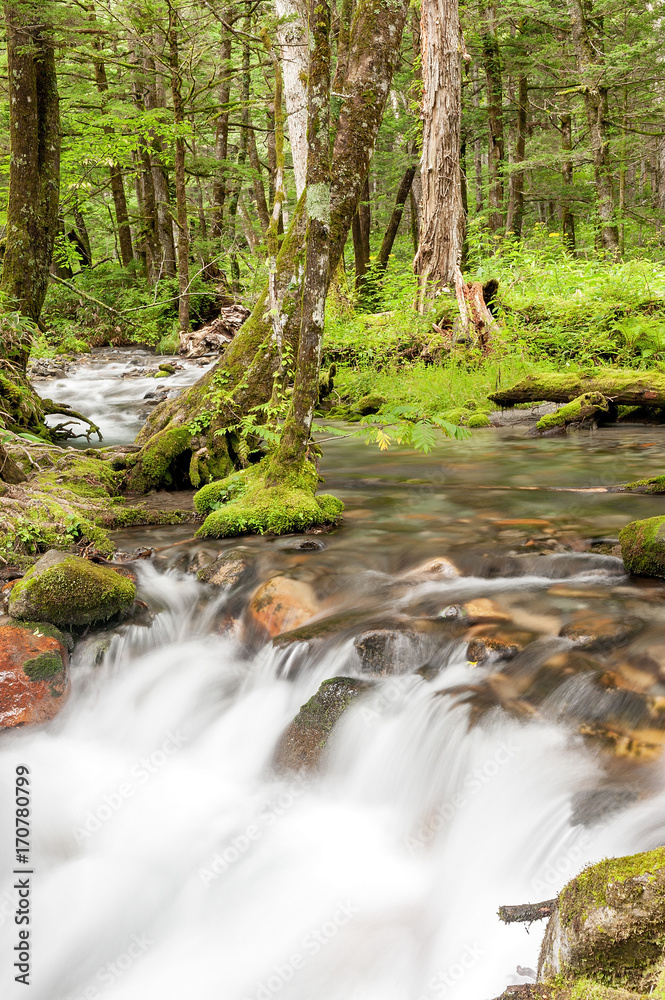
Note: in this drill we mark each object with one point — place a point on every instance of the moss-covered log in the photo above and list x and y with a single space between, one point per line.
244 379
587 408
620 386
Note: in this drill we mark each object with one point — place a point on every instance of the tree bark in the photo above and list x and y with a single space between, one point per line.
492 64
243 379
293 42
34 167
180 184
294 442
590 67
442 222
167 266
391 232
515 215
567 217
219 188
115 170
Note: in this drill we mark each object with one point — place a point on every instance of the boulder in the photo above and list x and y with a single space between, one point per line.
386 651
609 925
643 547
67 590
282 604
34 680
303 742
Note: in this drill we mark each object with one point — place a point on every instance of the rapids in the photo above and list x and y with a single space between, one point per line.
169 859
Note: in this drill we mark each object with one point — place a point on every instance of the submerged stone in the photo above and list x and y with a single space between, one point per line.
282 604
67 590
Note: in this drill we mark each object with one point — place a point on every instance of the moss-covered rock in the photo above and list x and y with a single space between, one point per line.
656 484
304 741
34 660
479 420
609 925
583 409
67 590
371 403
251 501
643 547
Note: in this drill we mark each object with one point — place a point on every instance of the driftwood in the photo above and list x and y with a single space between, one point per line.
64 429
527 912
627 388
215 336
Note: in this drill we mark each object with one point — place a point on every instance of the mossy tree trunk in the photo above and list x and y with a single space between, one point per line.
199 423
34 168
296 433
180 184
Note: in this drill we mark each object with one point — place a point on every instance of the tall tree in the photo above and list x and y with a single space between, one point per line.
590 65
442 219
34 170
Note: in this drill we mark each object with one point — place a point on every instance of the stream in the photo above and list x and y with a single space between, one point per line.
172 862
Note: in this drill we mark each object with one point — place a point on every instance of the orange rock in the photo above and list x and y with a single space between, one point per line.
34 681
440 568
282 604
511 521
484 608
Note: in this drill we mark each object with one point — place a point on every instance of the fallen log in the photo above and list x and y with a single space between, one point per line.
586 409
527 912
627 388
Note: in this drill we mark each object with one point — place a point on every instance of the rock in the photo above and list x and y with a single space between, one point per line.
215 336
282 604
643 547
591 631
439 568
302 744
495 642
595 804
226 571
67 590
34 680
385 651
609 925
483 609
371 403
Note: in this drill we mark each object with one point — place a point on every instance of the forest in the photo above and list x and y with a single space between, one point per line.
332 395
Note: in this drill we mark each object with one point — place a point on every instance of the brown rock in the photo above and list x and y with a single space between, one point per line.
34 681
282 604
588 630
439 568
483 609
226 571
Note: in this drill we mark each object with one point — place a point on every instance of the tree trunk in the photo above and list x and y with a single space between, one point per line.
477 144
391 232
492 64
294 442
567 217
115 170
590 67
180 184
248 366
219 187
515 215
167 266
34 168
293 42
442 222
624 388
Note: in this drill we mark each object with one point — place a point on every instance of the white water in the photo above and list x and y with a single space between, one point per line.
170 863
103 392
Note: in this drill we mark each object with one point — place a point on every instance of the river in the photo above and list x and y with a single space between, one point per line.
172 862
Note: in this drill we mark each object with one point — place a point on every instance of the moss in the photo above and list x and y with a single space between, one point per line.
584 407
256 501
371 403
331 700
43 666
643 547
154 462
68 590
656 484
45 628
479 420
459 416
590 886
